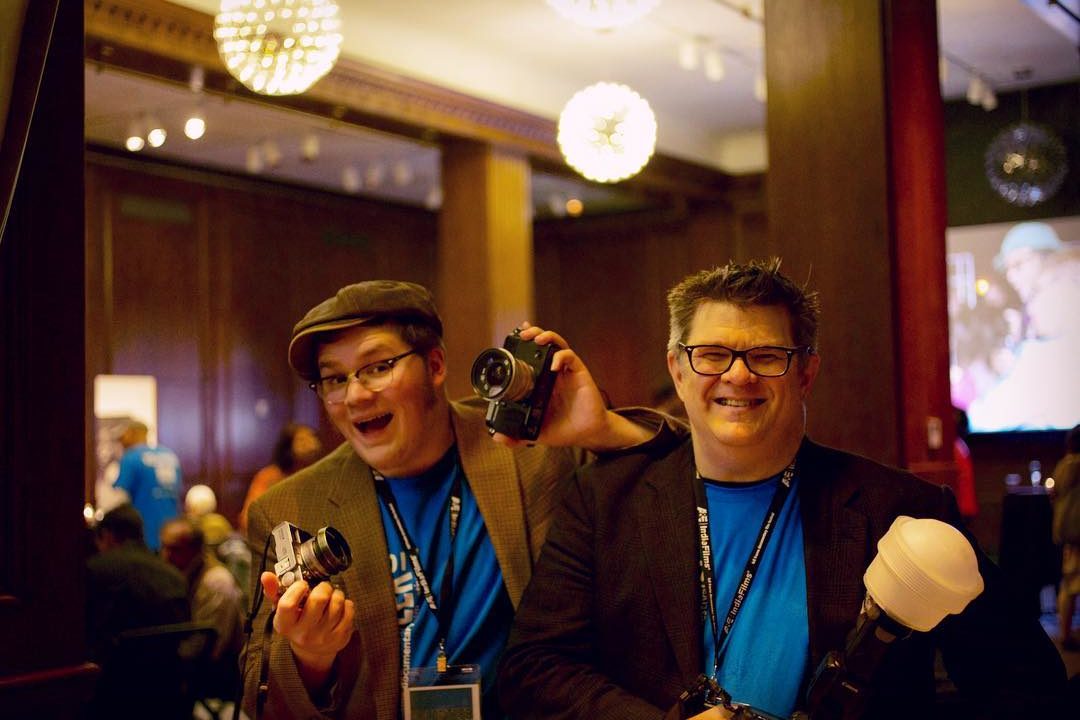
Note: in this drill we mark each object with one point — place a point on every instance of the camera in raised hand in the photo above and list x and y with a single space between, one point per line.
517 381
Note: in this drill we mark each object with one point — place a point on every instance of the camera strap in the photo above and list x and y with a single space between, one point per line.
443 609
708 597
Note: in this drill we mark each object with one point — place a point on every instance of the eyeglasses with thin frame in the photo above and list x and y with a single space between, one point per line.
768 361
374 376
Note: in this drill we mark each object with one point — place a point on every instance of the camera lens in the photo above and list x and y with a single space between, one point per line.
498 375
492 371
324 555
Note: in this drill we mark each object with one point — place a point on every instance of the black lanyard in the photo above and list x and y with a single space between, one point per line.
708 598
443 609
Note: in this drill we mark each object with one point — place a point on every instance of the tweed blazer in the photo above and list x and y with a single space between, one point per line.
611 626
516 490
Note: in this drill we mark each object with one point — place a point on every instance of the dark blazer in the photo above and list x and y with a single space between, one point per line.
610 625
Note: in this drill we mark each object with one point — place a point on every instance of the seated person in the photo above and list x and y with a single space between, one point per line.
214 595
127 587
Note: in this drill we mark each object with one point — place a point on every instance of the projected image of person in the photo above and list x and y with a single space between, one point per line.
1039 391
985 337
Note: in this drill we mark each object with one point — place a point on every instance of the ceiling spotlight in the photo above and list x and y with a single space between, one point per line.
975 90
271 153
350 178
254 160
607 132
155 133
603 14
761 88
134 141
557 205
434 198
278 47
375 174
197 79
402 173
309 147
574 207
714 66
195 125
989 99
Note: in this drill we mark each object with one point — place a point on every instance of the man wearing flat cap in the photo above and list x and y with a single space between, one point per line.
444 524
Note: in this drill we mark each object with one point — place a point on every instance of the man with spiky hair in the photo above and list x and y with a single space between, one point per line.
735 557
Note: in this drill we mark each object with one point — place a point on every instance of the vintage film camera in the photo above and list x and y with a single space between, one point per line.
517 381
304 557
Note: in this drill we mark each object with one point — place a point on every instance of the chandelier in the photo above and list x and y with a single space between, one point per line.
1025 163
603 14
278 47
607 132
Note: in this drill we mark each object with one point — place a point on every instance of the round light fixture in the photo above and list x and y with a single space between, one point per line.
607 132
603 14
195 125
1025 164
278 47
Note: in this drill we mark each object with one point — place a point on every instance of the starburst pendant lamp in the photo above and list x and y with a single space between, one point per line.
1025 163
607 132
278 47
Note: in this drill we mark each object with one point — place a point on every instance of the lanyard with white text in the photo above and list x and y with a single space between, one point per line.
443 609
708 599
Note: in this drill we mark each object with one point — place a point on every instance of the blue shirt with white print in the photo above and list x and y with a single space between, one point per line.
481 611
768 648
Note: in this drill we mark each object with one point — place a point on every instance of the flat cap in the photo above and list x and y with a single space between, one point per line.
361 303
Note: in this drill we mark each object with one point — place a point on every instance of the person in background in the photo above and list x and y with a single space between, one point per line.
127 587
617 621
964 488
212 591
418 486
1066 532
297 447
223 542
151 477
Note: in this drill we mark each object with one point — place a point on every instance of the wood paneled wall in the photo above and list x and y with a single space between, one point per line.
198 279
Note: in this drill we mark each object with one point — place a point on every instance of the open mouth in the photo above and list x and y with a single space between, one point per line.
375 423
740 402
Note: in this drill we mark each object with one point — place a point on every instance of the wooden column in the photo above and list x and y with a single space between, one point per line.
43 388
485 259
856 198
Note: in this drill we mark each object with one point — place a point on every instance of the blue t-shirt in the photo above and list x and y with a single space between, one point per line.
481 612
768 649
151 476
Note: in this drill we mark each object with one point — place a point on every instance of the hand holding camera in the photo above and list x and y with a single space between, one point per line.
313 616
517 381
575 412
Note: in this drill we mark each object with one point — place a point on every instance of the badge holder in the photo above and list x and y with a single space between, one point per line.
453 694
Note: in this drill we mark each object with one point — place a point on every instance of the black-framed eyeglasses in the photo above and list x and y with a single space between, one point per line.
764 361
374 376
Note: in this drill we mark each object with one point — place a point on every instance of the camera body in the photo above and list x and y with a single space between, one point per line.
517 381
313 559
707 693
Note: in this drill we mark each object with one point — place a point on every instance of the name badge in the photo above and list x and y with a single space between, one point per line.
452 694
